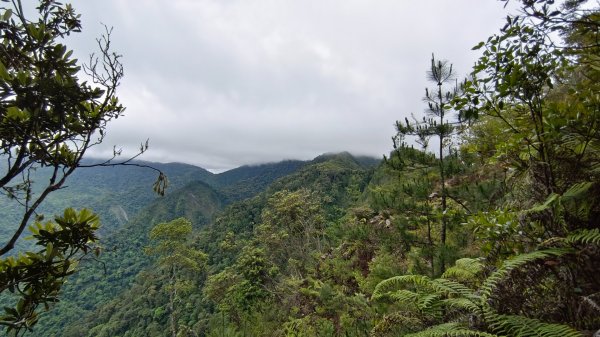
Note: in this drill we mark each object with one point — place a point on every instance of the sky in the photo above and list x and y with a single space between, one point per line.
224 83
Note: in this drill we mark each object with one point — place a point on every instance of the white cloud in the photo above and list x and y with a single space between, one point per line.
221 83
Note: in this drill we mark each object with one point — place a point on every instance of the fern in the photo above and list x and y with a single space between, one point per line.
577 191
399 282
461 304
520 326
518 261
465 270
404 296
586 236
428 302
450 330
438 286
450 287
443 298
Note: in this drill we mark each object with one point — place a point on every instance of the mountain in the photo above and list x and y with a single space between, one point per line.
215 204
245 181
330 177
365 162
116 193
123 256
103 290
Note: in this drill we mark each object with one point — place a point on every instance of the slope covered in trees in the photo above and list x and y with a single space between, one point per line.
227 240
122 258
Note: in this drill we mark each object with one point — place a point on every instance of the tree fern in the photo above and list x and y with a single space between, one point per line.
461 303
452 288
403 296
430 303
399 282
443 299
520 326
450 330
585 236
438 286
464 270
491 283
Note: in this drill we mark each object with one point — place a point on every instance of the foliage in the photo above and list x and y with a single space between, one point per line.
439 124
470 308
63 241
179 261
536 92
100 284
49 119
544 94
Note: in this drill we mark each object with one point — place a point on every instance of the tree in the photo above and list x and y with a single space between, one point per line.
437 124
543 90
178 260
49 119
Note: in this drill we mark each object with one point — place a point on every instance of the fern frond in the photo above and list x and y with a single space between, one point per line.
577 191
585 236
520 326
450 287
465 270
399 282
404 296
397 323
438 286
550 201
461 303
490 284
428 301
450 330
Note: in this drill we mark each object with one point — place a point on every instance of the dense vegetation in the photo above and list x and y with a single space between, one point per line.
496 233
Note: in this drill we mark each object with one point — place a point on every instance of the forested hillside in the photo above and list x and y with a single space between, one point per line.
194 193
481 220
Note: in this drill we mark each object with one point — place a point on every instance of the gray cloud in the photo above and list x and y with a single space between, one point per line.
221 83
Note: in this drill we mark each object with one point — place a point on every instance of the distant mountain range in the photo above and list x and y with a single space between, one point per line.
118 193
123 197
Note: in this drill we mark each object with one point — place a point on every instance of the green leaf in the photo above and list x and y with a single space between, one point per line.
577 190
549 201
14 113
478 46
3 72
7 14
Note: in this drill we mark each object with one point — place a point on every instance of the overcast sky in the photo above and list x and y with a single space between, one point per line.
223 83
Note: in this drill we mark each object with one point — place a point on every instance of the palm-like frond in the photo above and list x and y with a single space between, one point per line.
430 303
461 303
491 283
450 330
438 286
586 236
520 326
443 298
464 270
451 288
400 282
403 296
